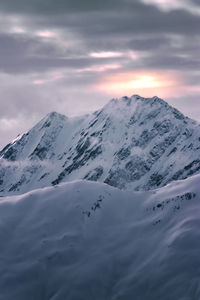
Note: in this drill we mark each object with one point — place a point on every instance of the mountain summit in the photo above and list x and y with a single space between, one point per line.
131 143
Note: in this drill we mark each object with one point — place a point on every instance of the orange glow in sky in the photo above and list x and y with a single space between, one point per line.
145 83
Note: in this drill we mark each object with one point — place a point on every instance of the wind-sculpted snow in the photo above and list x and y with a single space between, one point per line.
132 143
86 240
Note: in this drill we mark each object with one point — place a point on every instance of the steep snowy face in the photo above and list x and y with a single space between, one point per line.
87 240
131 143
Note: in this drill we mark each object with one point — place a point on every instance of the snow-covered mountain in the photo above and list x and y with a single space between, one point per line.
87 240
131 143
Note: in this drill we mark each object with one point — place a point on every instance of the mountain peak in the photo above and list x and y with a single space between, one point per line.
135 98
55 115
51 119
125 106
154 99
131 143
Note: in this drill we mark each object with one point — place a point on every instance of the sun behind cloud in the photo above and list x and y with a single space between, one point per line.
146 82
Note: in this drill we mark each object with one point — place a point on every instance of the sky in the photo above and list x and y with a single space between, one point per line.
73 56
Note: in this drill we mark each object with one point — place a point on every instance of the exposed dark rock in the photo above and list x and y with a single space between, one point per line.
143 155
178 175
43 176
187 133
178 115
96 134
190 169
155 180
163 127
172 151
82 146
136 168
160 148
123 153
40 152
4 149
132 120
117 178
90 154
153 114
145 138
46 124
195 163
10 154
95 174
15 186
93 123
107 124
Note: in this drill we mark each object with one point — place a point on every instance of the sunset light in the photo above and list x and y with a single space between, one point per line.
106 54
45 34
99 150
145 83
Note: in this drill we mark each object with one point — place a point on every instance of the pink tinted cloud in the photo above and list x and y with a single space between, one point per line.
147 83
46 34
106 54
100 68
110 54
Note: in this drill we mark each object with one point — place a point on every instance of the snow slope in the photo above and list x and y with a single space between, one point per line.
132 143
87 240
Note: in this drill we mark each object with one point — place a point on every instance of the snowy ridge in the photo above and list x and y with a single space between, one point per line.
87 240
131 143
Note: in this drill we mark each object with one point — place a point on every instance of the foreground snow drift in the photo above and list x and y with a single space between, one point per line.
85 240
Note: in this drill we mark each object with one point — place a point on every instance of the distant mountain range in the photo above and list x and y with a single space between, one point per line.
131 143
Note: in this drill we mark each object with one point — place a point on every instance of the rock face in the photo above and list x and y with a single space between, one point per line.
131 143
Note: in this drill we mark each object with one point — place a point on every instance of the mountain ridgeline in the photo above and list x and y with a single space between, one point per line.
131 143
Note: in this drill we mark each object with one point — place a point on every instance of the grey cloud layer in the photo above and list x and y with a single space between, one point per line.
59 6
119 25
162 40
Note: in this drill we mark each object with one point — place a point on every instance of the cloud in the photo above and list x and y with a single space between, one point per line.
61 55
149 83
189 104
168 5
106 54
25 163
59 7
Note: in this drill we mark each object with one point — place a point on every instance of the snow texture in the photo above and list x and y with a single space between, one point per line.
88 240
131 143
